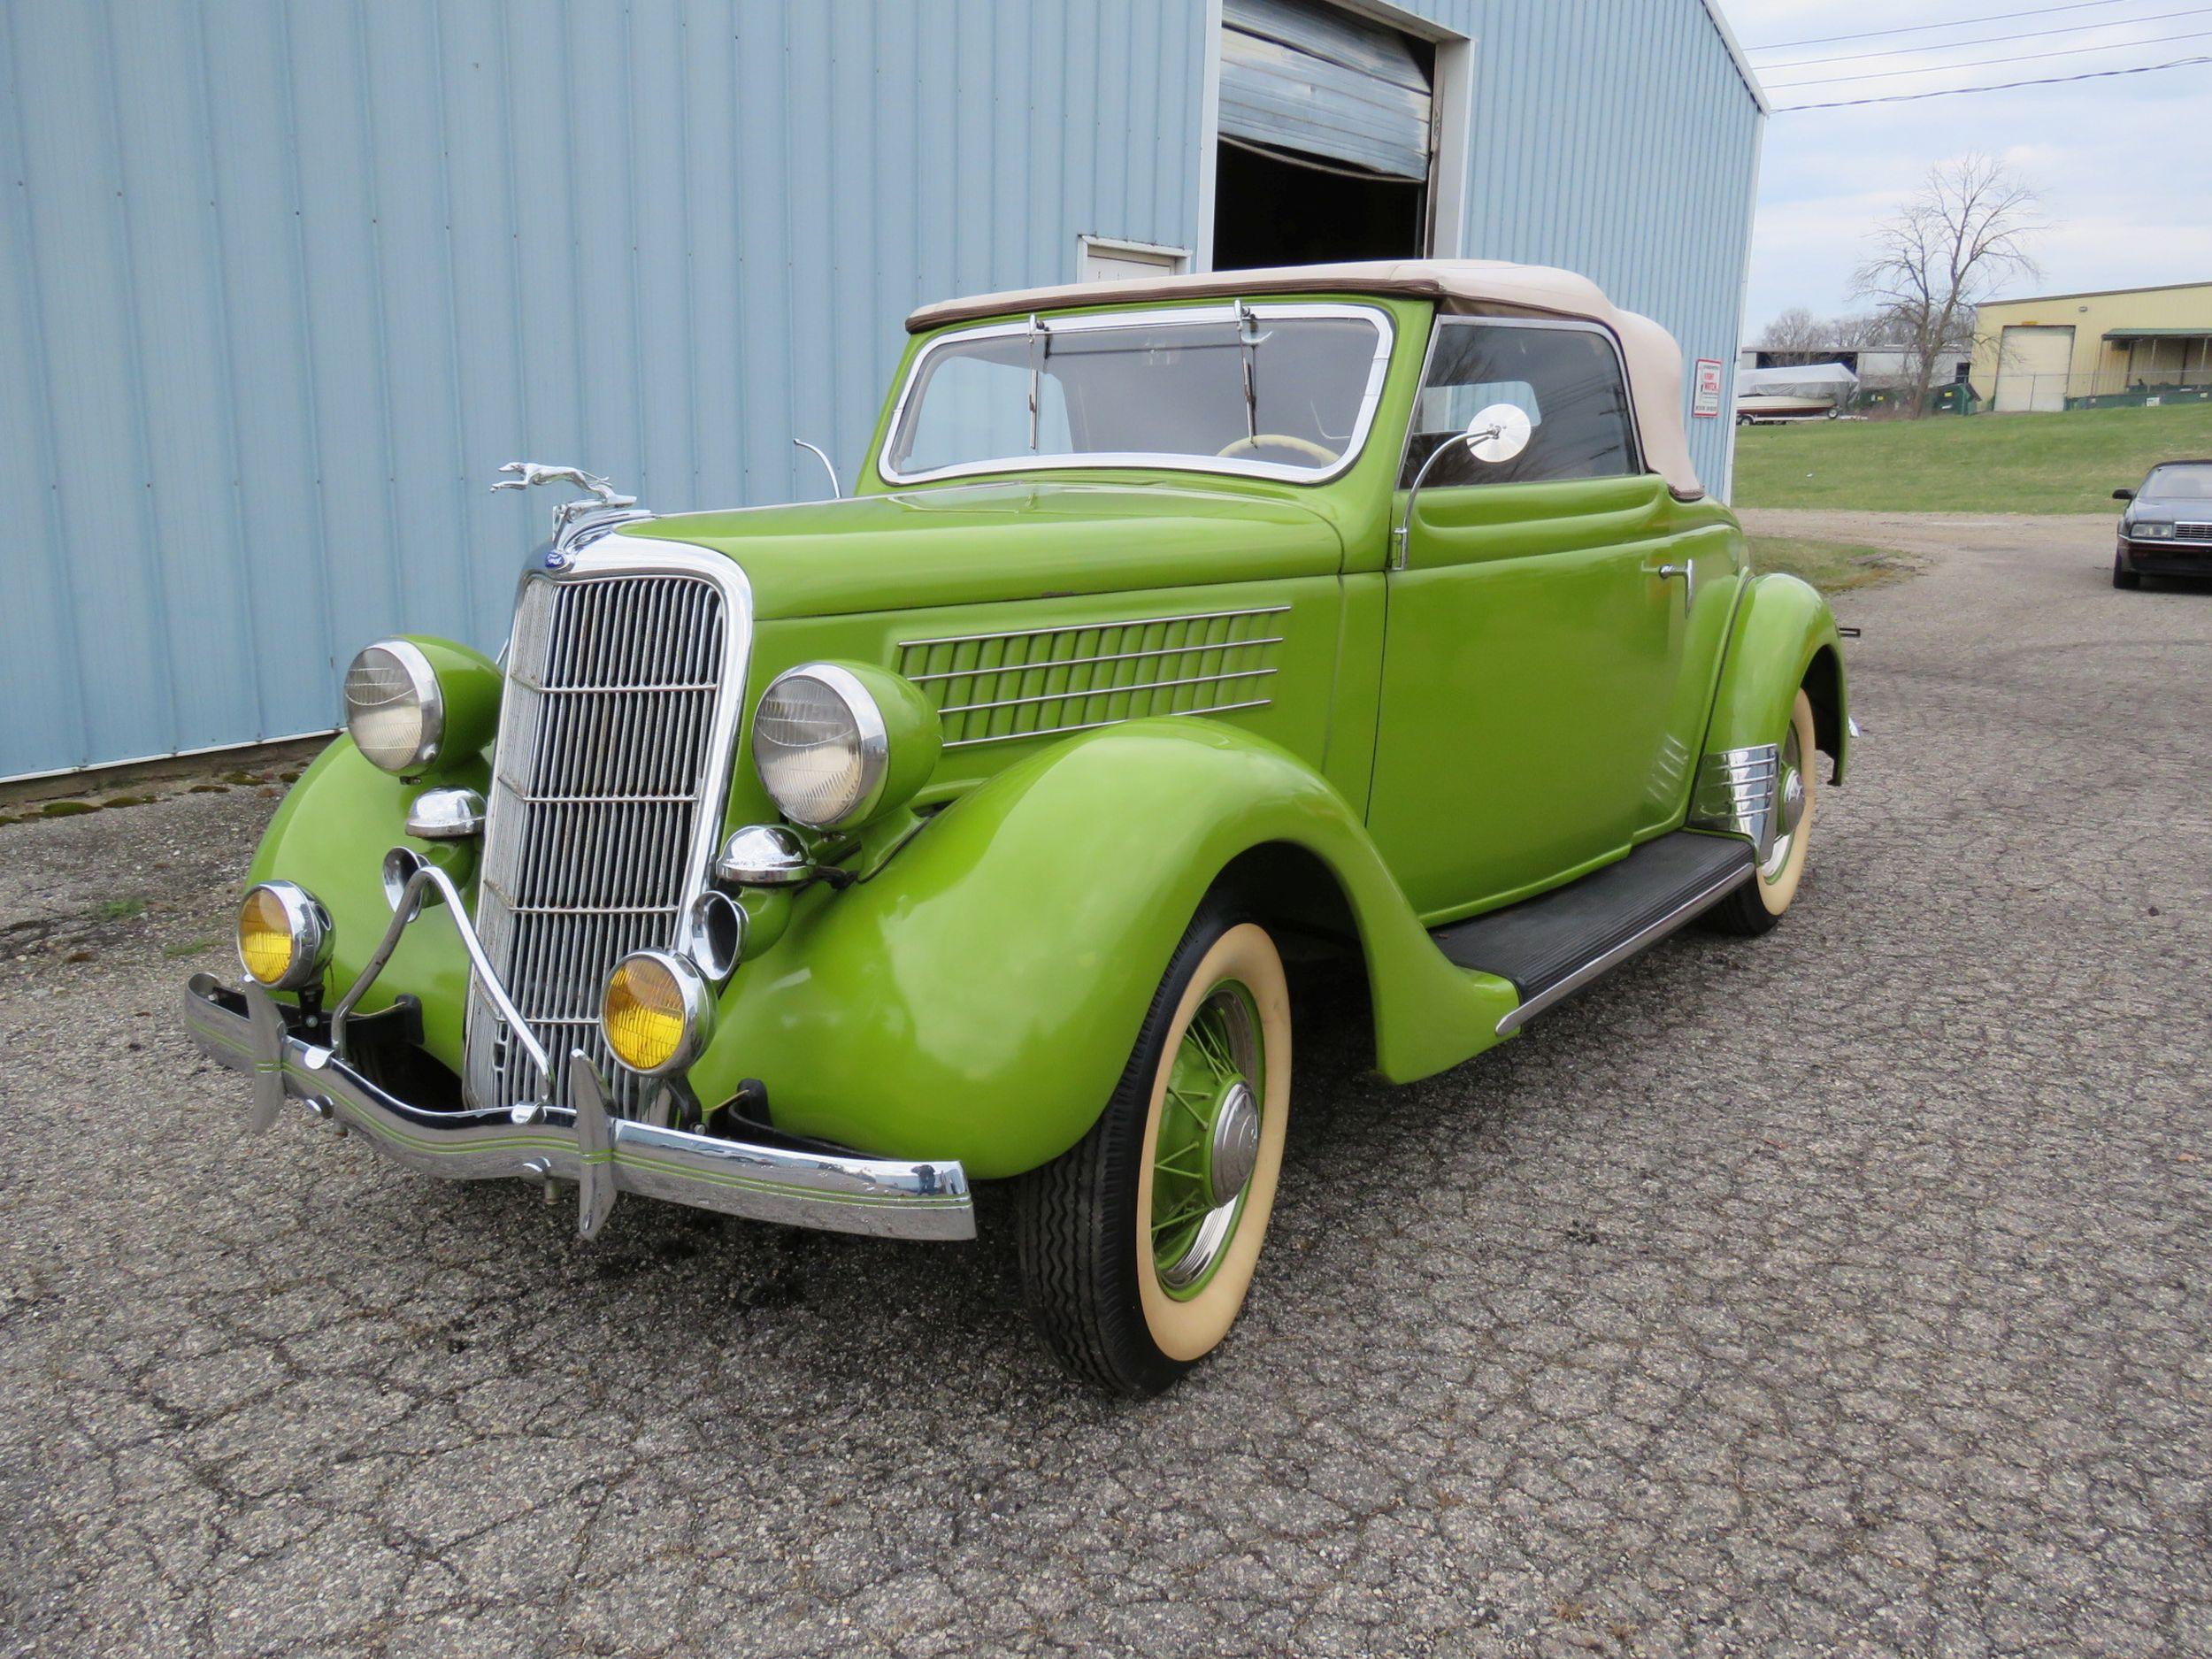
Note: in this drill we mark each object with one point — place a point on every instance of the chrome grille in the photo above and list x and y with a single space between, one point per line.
2193 532
606 780
999 687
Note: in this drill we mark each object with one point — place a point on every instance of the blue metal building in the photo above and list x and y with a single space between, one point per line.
283 281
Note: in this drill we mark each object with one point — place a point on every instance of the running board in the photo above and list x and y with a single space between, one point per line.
1550 946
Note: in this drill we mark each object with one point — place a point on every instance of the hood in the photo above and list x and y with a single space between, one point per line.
973 543
2158 506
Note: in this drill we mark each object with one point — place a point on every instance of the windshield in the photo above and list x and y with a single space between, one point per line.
1276 391
2189 482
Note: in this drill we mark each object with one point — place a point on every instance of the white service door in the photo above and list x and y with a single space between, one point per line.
1108 262
2032 363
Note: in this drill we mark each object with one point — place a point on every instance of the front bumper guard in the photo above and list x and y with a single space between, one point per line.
581 1142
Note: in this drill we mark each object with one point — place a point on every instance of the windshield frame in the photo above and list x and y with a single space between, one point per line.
1227 311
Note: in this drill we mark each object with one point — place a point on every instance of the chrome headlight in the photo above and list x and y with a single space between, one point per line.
821 745
395 712
2150 532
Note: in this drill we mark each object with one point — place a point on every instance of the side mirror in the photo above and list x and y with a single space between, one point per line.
1496 434
2124 494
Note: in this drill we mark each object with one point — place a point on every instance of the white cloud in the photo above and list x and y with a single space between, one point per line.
2120 162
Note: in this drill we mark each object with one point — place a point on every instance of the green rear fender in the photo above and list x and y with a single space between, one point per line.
978 996
1784 637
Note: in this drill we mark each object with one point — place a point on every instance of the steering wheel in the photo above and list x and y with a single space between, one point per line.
1275 440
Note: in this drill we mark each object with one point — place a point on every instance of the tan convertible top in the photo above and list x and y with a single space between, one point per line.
1655 361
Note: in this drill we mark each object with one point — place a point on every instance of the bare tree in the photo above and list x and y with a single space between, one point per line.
1796 329
1861 330
1943 252
1796 334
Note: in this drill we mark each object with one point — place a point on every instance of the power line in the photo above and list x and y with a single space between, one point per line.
1918 29
2001 86
1985 40
1985 62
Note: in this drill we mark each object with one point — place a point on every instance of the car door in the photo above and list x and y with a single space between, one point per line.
1540 616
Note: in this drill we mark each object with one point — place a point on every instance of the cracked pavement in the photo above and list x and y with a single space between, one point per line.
1840 1292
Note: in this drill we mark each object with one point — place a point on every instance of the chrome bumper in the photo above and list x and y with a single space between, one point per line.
581 1142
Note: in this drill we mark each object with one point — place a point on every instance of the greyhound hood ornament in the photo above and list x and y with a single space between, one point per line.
606 505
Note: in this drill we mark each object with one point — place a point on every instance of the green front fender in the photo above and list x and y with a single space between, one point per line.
1784 637
978 996
331 830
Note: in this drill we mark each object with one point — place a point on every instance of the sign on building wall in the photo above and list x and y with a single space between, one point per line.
1706 404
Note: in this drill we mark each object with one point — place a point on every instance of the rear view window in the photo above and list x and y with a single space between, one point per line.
1567 380
1451 408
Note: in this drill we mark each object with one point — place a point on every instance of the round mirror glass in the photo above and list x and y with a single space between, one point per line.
1499 433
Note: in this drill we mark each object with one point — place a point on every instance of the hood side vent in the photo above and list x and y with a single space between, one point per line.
1042 682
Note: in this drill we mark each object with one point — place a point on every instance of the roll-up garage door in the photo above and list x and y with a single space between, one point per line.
1301 76
2031 364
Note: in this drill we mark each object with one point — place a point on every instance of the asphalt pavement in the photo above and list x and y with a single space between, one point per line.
1841 1292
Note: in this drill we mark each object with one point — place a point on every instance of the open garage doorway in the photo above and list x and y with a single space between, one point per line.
1277 208
1329 137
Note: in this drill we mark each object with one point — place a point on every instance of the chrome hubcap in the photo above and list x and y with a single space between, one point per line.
1208 1140
1789 806
1205 1249
1235 1147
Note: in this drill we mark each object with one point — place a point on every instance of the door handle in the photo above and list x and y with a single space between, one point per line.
1687 572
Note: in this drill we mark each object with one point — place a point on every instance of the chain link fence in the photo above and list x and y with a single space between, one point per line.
2017 392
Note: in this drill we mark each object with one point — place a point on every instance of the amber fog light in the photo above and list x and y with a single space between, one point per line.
284 936
655 1012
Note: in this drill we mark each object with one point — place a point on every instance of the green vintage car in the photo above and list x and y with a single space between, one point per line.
810 863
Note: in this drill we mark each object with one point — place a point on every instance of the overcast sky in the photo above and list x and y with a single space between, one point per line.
2125 164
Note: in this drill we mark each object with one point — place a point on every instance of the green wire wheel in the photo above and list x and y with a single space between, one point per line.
1208 1142
1137 1247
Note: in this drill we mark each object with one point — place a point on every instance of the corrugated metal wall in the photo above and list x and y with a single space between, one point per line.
1616 138
282 284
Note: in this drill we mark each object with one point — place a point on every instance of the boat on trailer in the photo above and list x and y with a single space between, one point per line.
1811 391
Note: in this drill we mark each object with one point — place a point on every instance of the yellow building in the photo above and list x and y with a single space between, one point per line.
2090 351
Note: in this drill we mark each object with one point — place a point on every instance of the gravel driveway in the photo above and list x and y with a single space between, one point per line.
1844 1291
